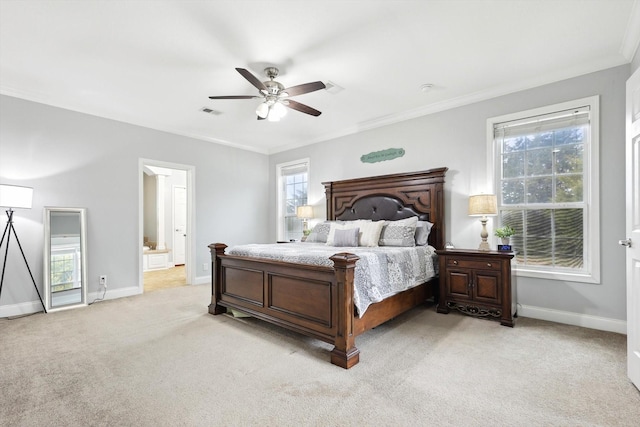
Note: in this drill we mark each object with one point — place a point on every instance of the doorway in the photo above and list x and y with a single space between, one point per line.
166 225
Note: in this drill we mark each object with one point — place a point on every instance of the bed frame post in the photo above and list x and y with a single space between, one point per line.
345 354
216 278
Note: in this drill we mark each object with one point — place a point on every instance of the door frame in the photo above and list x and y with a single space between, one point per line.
190 241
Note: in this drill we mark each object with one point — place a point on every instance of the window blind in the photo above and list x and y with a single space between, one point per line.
538 124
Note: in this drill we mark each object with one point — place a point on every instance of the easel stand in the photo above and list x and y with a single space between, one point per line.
7 233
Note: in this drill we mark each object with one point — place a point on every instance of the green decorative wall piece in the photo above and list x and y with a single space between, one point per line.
381 156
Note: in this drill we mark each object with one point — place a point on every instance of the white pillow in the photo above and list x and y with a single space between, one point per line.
370 233
423 229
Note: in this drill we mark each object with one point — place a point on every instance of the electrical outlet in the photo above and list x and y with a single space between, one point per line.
205 266
103 280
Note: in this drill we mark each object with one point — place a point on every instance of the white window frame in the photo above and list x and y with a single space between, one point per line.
591 273
279 192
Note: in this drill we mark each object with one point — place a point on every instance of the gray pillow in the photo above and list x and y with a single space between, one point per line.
348 237
319 233
399 233
422 232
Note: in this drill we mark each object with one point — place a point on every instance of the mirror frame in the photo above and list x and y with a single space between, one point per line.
47 257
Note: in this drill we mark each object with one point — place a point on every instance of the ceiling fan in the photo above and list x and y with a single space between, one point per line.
275 95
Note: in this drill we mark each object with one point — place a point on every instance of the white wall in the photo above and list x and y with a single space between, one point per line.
456 139
78 160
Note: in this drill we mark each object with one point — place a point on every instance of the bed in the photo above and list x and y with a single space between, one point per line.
318 301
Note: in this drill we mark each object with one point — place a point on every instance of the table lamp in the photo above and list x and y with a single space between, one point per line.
482 205
305 212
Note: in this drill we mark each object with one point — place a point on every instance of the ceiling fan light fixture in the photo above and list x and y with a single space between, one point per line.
275 96
279 109
263 110
276 112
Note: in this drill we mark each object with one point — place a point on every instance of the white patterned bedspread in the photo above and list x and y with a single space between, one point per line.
380 272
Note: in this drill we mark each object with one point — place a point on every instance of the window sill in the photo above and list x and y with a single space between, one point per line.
555 275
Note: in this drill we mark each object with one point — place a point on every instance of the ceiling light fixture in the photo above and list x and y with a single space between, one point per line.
271 109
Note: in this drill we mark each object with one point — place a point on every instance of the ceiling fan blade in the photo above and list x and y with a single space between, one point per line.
234 97
252 79
302 108
304 88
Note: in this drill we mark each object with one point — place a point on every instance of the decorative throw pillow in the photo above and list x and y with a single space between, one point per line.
347 237
422 232
343 225
319 233
370 233
399 233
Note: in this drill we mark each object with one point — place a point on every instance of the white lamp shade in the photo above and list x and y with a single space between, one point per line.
304 211
482 205
279 109
15 196
263 110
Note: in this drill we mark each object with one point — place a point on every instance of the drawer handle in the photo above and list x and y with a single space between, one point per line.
455 262
488 264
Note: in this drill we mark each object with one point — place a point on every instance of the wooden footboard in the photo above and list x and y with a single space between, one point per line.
312 300
315 301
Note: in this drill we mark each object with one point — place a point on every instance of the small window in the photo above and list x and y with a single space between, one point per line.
293 179
545 165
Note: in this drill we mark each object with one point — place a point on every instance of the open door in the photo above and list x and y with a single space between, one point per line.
179 224
632 241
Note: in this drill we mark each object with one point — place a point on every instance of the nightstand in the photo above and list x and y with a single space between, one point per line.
478 283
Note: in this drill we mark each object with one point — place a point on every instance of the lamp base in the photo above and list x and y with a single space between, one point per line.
484 246
7 233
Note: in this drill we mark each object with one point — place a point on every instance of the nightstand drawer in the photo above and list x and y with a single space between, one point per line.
473 263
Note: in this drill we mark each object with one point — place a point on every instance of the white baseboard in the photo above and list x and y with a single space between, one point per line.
576 319
21 309
202 280
31 307
114 293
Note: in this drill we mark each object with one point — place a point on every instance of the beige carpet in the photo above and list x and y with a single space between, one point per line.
159 359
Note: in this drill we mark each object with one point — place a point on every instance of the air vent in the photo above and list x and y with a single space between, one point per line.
333 88
210 111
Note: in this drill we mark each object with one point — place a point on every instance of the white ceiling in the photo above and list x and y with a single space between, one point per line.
154 63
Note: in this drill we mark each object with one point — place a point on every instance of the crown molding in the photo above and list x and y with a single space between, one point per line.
631 40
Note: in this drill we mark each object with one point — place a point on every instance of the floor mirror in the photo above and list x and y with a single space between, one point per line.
65 258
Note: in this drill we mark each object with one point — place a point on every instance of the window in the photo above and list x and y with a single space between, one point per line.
545 165
65 268
292 192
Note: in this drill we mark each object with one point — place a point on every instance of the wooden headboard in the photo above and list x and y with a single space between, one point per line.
391 197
